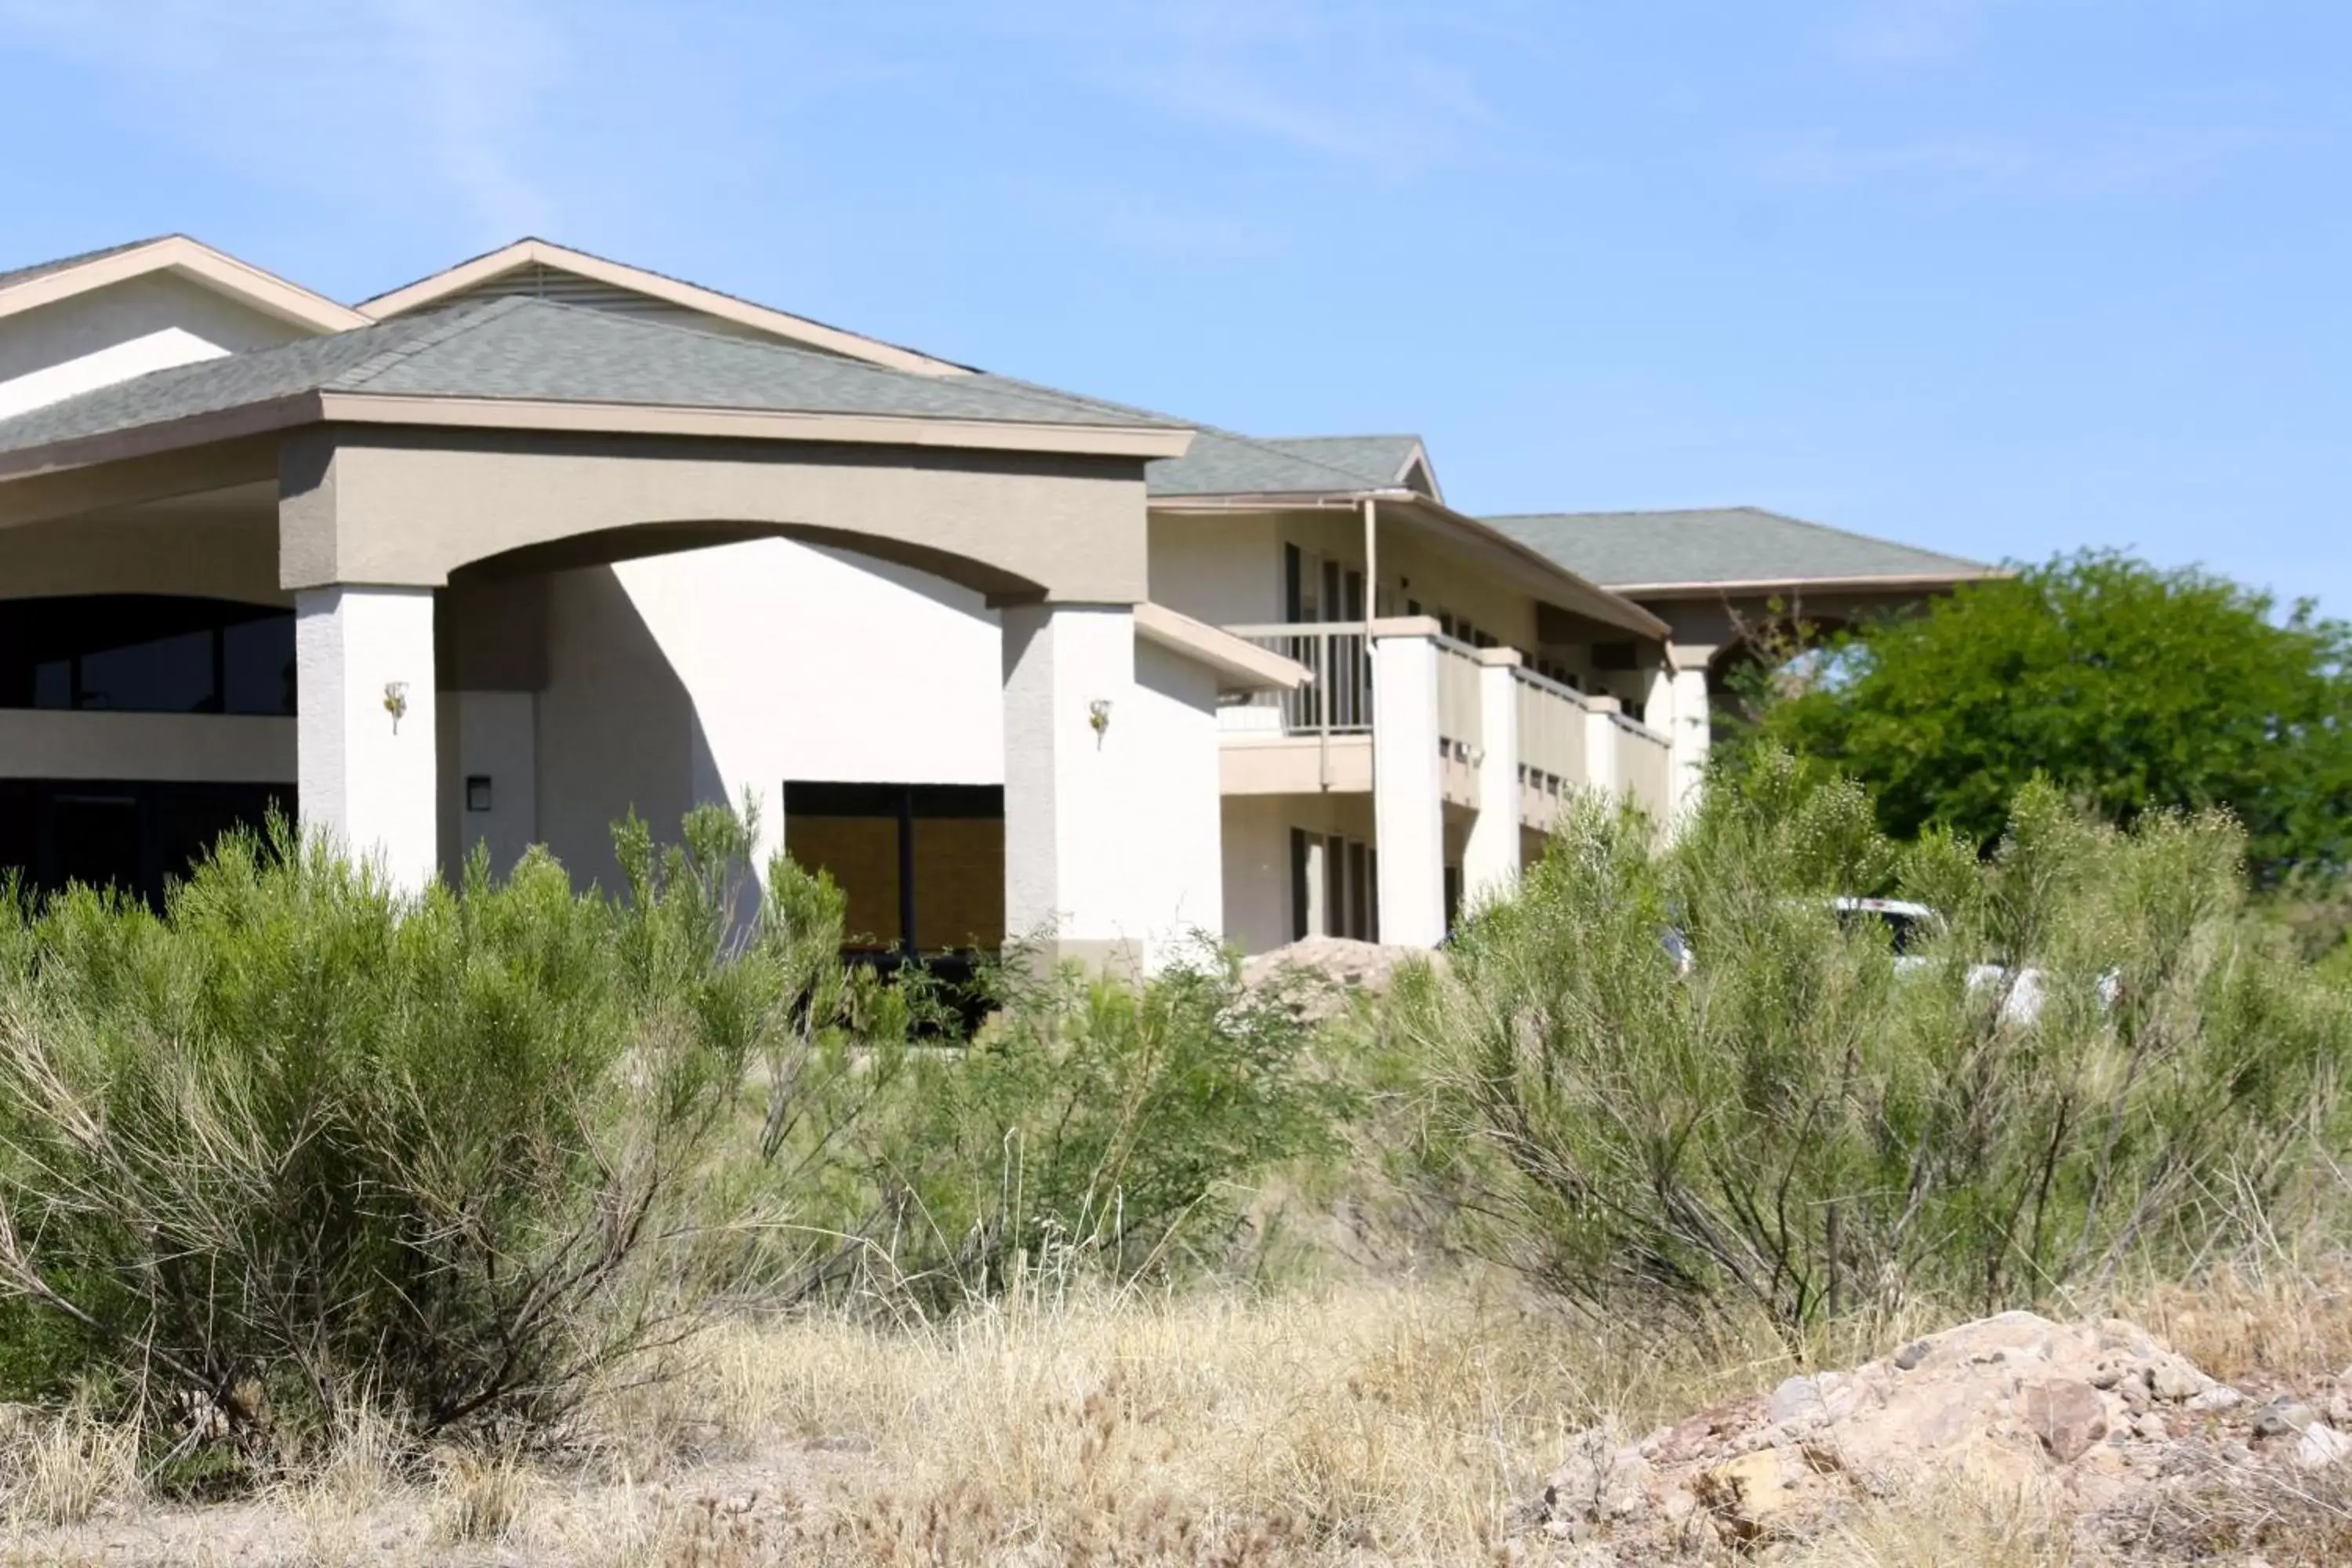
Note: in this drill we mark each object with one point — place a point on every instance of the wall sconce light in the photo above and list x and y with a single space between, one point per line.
478 792
395 702
1098 717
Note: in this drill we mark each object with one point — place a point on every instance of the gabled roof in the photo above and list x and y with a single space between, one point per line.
532 364
527 254
1388 462
1219 463
44 283
1718 549
14 274
1221 468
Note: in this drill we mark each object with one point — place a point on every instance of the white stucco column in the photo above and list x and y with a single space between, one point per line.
1071 831
365 729
1600 770
1408 788
1691 731
1490 859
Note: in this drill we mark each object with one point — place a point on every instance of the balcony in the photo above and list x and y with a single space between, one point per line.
1319 739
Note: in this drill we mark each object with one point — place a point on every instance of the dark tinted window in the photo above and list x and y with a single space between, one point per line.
146 653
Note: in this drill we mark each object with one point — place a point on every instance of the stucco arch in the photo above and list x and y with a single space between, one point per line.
409 507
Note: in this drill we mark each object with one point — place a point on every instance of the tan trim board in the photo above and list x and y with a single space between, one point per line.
754 424
1762 584
1241 665
613 418
431 291
264 291
1293 764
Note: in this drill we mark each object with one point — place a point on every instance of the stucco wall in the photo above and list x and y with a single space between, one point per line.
689 678
1225 570
111 334
1256 857
1172 833
206 748
224 555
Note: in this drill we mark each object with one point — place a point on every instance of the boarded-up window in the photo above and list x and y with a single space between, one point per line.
959 882
861 853
923 865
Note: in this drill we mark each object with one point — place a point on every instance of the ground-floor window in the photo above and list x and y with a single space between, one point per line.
923 865
133 835
1334 887
146 653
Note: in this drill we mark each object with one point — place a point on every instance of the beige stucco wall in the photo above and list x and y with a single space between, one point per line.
210 556
1222 569
1256 856
1231 567
205 748
388 508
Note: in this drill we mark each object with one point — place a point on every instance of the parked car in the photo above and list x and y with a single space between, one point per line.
1910 925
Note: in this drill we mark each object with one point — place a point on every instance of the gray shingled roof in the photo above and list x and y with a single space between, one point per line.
535 349
40 268
1218 463
1382 459
1718 545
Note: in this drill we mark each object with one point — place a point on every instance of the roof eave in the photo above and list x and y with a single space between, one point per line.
1607 604
1602 604
1145 442
1838 584
1240 665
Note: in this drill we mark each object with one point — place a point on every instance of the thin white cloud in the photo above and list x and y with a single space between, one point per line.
1909 32
329 96
1376 85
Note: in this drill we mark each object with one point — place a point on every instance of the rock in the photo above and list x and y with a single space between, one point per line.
2320 1447
2174 1380
2283 1416
2087 1419
2067 1415
1601 1480
1746 1494
1340 965
1797 1399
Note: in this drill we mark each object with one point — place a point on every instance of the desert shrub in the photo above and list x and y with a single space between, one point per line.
1095 1124
303 1142
1800 1124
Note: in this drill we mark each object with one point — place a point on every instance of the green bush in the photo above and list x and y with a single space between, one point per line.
302 1141
1800 1123
1094 1123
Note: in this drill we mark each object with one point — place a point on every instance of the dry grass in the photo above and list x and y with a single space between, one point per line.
60 1468
1353 1424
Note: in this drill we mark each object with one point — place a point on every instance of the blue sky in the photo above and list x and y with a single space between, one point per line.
1998 277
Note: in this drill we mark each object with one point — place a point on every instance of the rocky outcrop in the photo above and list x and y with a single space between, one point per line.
1335 967
2101 1415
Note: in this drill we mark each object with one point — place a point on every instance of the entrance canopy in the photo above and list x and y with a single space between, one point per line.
405 450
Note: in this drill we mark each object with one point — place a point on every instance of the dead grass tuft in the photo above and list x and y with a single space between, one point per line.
63 1467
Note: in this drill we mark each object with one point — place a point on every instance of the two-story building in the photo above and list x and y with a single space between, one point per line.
503 556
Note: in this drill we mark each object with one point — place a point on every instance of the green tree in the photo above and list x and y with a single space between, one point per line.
2130 688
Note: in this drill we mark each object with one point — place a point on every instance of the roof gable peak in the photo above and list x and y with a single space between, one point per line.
743 315
47 282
